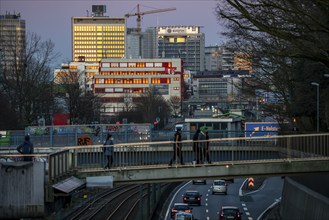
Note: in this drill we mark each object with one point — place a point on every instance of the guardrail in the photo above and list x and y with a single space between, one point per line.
66 161
231 150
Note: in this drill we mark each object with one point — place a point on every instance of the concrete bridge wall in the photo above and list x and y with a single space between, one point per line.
301 202
22 190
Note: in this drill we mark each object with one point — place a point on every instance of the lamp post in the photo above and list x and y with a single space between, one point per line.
317 104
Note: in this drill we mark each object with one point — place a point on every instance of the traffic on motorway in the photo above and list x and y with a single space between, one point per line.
221 199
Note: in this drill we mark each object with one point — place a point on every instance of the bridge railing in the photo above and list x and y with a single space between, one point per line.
224 150
142 155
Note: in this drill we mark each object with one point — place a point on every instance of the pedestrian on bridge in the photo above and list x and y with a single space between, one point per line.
196 150
108 150
177 148
26 148
206 150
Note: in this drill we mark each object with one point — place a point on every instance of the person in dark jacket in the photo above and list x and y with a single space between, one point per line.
207 150
26 148
177 148
108 151
196 149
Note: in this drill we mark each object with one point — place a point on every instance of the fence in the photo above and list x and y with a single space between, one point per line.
228 150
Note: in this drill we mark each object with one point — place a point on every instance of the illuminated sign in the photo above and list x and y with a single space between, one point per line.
261 129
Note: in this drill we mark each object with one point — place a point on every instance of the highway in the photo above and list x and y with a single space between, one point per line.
252 204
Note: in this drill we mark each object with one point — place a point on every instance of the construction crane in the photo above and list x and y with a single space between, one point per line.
139 15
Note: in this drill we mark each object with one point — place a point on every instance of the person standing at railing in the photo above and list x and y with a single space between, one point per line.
26 148
108 150
196 150
177 148
207 149
202 145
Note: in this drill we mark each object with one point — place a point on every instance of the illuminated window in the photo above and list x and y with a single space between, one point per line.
172 40
181 40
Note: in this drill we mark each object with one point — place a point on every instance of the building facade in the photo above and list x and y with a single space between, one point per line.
12 41
185 42
219 89
95 38
122 80
225 58
82 72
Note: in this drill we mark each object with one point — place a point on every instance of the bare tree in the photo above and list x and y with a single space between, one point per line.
27 82
83 106
175 105
152 105
288 44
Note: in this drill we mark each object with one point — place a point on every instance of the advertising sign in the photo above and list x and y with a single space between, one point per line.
261 129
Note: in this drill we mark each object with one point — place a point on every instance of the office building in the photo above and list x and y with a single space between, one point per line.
98 37
12 41
147 40
123 80
82 72
185 42
225 58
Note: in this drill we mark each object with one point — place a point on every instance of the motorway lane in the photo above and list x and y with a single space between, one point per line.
210 204
255 203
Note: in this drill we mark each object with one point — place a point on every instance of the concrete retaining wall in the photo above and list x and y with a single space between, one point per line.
300 202
22 189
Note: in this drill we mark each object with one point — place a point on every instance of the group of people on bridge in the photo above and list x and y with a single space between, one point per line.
200 147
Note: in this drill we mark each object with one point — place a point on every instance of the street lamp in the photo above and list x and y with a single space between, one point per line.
317 104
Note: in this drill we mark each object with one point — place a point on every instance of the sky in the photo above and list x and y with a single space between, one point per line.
51 19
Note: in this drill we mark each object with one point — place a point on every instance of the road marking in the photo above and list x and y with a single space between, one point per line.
206 204
271 206
243 204
245 209
207 210
247 213
249 218
208 218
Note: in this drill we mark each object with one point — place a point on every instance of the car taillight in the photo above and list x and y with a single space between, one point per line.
221 216
184 198
173 210
238 215
188 210
198 198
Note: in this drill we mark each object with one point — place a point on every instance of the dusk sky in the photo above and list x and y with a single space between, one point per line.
51 19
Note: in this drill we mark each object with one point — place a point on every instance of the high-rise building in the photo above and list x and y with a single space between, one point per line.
97 37
185 42
150 43
132 43
142 44
12 41
225 58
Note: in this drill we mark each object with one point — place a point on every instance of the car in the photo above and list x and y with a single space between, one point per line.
219 186
180 207
184 216
199 181
192 197
230 212
229 180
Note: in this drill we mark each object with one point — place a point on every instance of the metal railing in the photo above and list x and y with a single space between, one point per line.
229 150
65 161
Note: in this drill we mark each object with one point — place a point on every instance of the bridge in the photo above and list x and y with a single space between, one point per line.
147 162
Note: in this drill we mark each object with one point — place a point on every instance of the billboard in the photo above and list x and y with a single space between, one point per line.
261 129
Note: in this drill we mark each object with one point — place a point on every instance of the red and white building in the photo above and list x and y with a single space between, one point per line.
122 80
